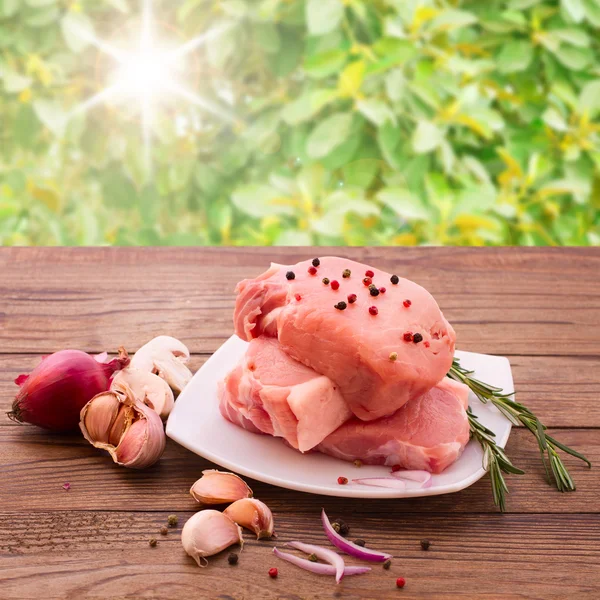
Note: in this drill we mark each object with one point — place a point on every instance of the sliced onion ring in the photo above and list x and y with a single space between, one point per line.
348 547
385 482
318 568
333 558
421 477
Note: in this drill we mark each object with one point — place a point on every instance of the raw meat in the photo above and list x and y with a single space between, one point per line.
269 392
352 347
429 432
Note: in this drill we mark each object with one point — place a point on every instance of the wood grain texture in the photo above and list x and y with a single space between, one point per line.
106 555
539 306
540 301
557 389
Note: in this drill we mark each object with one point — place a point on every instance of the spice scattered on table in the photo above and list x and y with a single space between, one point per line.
313 557
164 530
341 526
387 564
233 558
153 542
172 520
425 544
400 582
66 486
273 572
360 542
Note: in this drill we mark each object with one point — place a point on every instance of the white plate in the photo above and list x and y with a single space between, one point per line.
197 424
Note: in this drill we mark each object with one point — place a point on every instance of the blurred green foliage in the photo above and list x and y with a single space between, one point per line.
357 122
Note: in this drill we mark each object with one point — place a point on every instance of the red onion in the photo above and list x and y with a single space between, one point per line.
386 482
348 547
54 393
318 568
333 558
423 478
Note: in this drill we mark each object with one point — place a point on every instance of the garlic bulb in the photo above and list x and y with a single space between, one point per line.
130 431
148 388
252 514
207 533
218 487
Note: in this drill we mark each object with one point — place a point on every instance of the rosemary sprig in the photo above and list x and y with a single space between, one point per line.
495 460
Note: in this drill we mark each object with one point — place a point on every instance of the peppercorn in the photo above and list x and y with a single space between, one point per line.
153 542
290 275
342 480
393 356
351 298
373 291
163 530
273 572
425 544
312 557
232 559
394 279
427 344
312 270
382 290
346 273
335 285
340 305
325 281
417 338
369 273
408 336
400 582
387 564
367 281
298 297
373 310
396 468
360 542
316 262
358 463
172 520
341 527
407 303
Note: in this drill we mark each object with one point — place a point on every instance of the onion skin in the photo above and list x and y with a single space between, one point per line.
54 393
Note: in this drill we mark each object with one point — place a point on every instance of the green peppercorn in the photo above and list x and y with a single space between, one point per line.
325 280
393 356
346 273
164 530
172 520
341 527
153 542
312 557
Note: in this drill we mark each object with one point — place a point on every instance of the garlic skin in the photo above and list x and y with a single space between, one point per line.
165 356
130 431
253 515
218 487
147 388
209 532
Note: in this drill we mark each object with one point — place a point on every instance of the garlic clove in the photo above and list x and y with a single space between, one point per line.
136 438
148 388
218 487
253 515
209 532
99 416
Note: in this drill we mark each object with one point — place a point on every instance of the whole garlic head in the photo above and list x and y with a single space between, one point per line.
253 515
209 532
165 356
218 487
148 388
130 431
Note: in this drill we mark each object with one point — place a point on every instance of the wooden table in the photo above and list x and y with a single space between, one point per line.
540 307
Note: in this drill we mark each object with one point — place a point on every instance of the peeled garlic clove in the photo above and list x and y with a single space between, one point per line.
253 515
99 416
136 438
209 532
217 487
147 388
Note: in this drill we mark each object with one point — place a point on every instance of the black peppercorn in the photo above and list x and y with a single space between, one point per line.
341 527
340 305
387 564
360 542
232 559
290 275
425 544
394 279
316 262
417 337
373 291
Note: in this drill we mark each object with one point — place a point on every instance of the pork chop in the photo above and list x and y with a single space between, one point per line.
348 342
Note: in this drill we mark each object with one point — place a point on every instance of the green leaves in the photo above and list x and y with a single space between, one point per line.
328 135
404 203
258 200
515 56
322 16
426 137
77 30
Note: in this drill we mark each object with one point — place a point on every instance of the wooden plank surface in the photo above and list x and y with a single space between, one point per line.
541 307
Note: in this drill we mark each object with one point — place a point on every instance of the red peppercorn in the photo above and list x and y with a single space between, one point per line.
312 270
298 297
407 303
351 298
373 310
382 290
427 344
342 480
335 285
408 336
369 273
400 582
367 281
273 572
396 468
